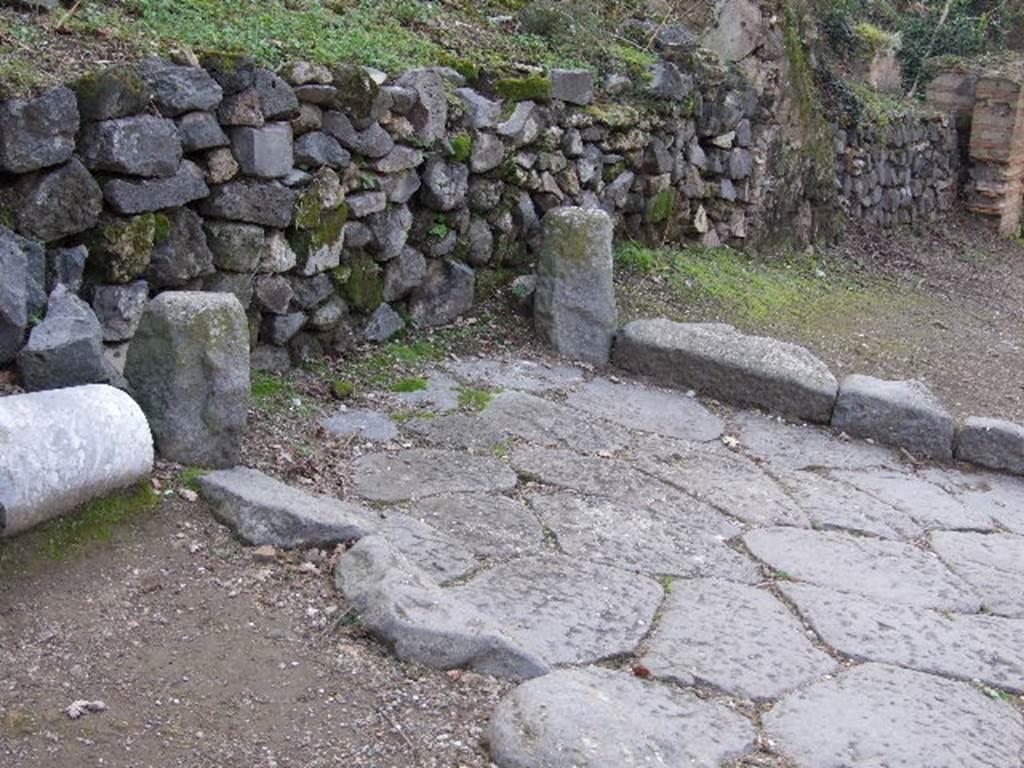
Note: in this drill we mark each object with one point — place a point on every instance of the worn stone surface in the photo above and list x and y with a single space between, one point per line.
14 299
39 132
1000 497
524 375
882 570
601 718
441 556
187 185
265 152
184 255
262 510
188 366
574 303
901 413
446 293
445 185
256 202
991 563
966 647
316 149
542 422
179 89
881 715
733 638
992 443
58 202
199 131
440 395
384 323
403 606
119 308
420 473
363 425
719 360
569 612
139 146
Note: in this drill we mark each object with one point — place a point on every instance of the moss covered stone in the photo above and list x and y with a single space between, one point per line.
110 93
122 248
357 91
364 289
533 88
660 207
618 116
462 147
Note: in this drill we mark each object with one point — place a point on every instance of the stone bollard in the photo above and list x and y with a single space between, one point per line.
188 367
63 447
574 304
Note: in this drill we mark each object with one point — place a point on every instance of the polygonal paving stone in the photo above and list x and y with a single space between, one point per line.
925 503
734 638
524 375
569 612
439 555
458 430
999 497
440 395
365 425
728 481
420 473
683 539
993 564
965 646
600 718
646 409
489 526
876 715
543 422
798 446
885 570
831 504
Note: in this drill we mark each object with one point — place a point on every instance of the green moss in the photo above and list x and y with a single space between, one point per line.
342 389
464 67
96 521
462 147
265 388
340 275
161 228
474 399
356 90
660 207
94 89
413 384
122 248
875 40
189 477
533 88
618 116
326 233
364 289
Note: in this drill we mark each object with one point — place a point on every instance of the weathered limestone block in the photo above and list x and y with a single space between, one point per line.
189 368
992 443
84 442
574 304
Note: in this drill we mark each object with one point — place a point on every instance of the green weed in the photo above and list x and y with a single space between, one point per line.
413 384
96 522
474 399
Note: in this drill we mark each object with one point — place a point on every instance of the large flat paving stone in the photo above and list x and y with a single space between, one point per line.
436 553
928 505
600 718
646 409
440 395
734 638
882 716
884 570
420 473
799 446
458 430
489 526
998 497
524 375
569 612
685 539
993 564
373 426
963 646
402 606
262 510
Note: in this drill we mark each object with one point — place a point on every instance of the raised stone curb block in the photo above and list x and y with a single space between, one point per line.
62 448
904 414
262 510
718 360
402 606
992 443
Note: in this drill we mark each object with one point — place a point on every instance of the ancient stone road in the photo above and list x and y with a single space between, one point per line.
654 570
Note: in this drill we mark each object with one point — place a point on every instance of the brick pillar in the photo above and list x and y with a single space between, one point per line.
997 152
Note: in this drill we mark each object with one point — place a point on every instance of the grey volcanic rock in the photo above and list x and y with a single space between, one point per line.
882 570
138 146
445 185
399 159
420 473
140 195
14 298
200 130
280 329
264 152
178 89
574 86
429 113
481 112
437 554
256 202
671 84
601 718
365 425
119 308
901 413
184 255
373 142
523 126
574 305
487 154
316 149
992 443
68 266
262 510
390 232
235 247
277 98
384 323
38 133
446 293
57 203
966 647
901 719
569 612
404 607
273 292
524 375
188 366
725 363
111 93
733 638
991 563
404 274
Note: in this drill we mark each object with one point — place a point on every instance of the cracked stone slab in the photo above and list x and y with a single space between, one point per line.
373 426
458 430
644 409
883 570
993 564
488 526
262 510
399 604
601 718
420 473
726 480
437 554
734 638
569 612
676 540
964 646
998 497
523 375
877 715
441 394
928 505
799 446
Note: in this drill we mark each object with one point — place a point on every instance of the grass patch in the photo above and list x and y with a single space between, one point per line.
474 399
412 384
269 392
342 389
96 522
189 478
